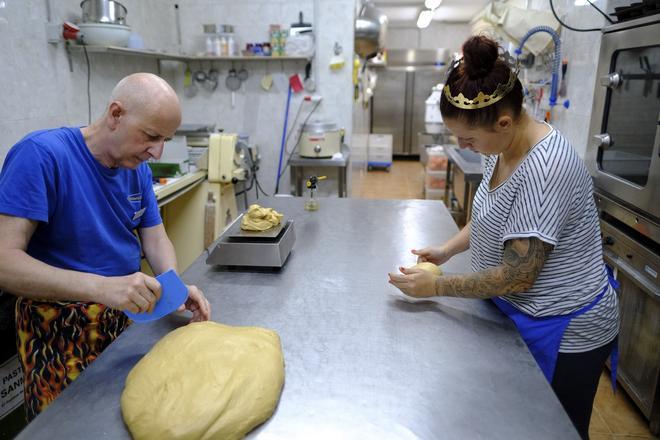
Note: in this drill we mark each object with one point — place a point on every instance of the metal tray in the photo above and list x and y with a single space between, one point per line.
235 230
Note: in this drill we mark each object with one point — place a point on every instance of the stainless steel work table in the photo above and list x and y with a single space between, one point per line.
297 163
361 363
469 172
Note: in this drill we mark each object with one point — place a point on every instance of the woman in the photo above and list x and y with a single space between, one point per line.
534 231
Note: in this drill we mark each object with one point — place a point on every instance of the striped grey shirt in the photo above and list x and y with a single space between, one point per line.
550 196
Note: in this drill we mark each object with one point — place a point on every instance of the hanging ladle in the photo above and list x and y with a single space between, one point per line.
212 80
233 83
243 75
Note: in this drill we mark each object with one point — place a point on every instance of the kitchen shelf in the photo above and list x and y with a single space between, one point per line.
116 50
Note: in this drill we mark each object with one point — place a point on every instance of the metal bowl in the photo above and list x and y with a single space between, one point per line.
370 30
103 11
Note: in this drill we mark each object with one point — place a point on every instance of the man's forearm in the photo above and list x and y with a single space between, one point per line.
161 255
25 276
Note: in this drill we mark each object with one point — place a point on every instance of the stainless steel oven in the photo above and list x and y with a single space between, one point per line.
636 263
624 160
624 155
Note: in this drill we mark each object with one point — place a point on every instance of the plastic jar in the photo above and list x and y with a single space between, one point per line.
231 45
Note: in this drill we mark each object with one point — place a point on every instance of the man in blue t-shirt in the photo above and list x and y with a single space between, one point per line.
70 202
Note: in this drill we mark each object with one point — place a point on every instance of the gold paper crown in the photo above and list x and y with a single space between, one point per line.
482 99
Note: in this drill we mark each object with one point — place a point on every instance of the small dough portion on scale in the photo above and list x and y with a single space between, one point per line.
258 218
204 381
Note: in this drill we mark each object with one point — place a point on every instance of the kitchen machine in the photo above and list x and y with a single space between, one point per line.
624 160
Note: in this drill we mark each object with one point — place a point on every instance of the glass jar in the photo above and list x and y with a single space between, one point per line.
231 45
210 44
224 45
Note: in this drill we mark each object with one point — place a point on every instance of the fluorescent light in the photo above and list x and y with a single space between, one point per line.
580 2
398 13
432 4
458 13
424 19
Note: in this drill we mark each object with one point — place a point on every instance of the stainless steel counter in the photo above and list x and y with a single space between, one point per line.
464 173
361 363
467 161
298 162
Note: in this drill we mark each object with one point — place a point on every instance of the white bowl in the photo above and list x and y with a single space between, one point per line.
103 34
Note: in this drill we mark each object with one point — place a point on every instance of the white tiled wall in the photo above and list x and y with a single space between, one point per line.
36 87
581 49
39 91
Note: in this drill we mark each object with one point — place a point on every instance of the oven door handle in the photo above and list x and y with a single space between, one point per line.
639 279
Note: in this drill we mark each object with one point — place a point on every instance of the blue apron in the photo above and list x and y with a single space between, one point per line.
543 334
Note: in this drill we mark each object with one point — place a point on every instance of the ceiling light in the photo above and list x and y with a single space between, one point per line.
432 4
424 19
400 13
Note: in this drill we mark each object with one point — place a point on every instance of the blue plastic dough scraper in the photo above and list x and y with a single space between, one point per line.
174 293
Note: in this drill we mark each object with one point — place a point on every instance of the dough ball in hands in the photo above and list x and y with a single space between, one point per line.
204 381
429 267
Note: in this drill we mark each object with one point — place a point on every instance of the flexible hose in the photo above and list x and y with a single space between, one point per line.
555 67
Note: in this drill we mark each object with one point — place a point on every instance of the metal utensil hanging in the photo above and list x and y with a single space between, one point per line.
189 86
233 83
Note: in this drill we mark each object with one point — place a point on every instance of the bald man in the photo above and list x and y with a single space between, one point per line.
70 201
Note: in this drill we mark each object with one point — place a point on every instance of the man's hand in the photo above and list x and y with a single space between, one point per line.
197 304
136 293
414 282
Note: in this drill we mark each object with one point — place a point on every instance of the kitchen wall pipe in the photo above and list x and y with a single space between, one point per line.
557 61
317 32
49 10
286 121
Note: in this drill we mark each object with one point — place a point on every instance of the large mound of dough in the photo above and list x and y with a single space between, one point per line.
258 218
204 381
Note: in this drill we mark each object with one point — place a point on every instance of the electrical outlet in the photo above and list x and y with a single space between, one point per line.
54 32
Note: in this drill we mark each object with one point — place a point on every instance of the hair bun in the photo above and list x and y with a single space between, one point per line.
479 56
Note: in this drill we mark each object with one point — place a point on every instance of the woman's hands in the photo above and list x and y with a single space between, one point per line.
433 254
414 282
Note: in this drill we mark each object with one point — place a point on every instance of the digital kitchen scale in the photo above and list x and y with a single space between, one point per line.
269 248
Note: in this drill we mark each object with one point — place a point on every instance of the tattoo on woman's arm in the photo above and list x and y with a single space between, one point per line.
522 262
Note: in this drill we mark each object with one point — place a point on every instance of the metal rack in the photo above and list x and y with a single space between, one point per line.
167 56
160 55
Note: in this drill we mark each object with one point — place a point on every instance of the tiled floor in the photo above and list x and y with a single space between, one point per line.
615 416
405 180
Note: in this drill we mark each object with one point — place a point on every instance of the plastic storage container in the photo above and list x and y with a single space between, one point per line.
437 159
379 150
434 194
435 179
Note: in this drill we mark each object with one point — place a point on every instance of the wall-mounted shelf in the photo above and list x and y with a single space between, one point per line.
115 50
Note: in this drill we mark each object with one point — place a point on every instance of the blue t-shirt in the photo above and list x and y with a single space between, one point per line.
87 213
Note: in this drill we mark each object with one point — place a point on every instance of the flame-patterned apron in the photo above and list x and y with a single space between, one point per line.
56 341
